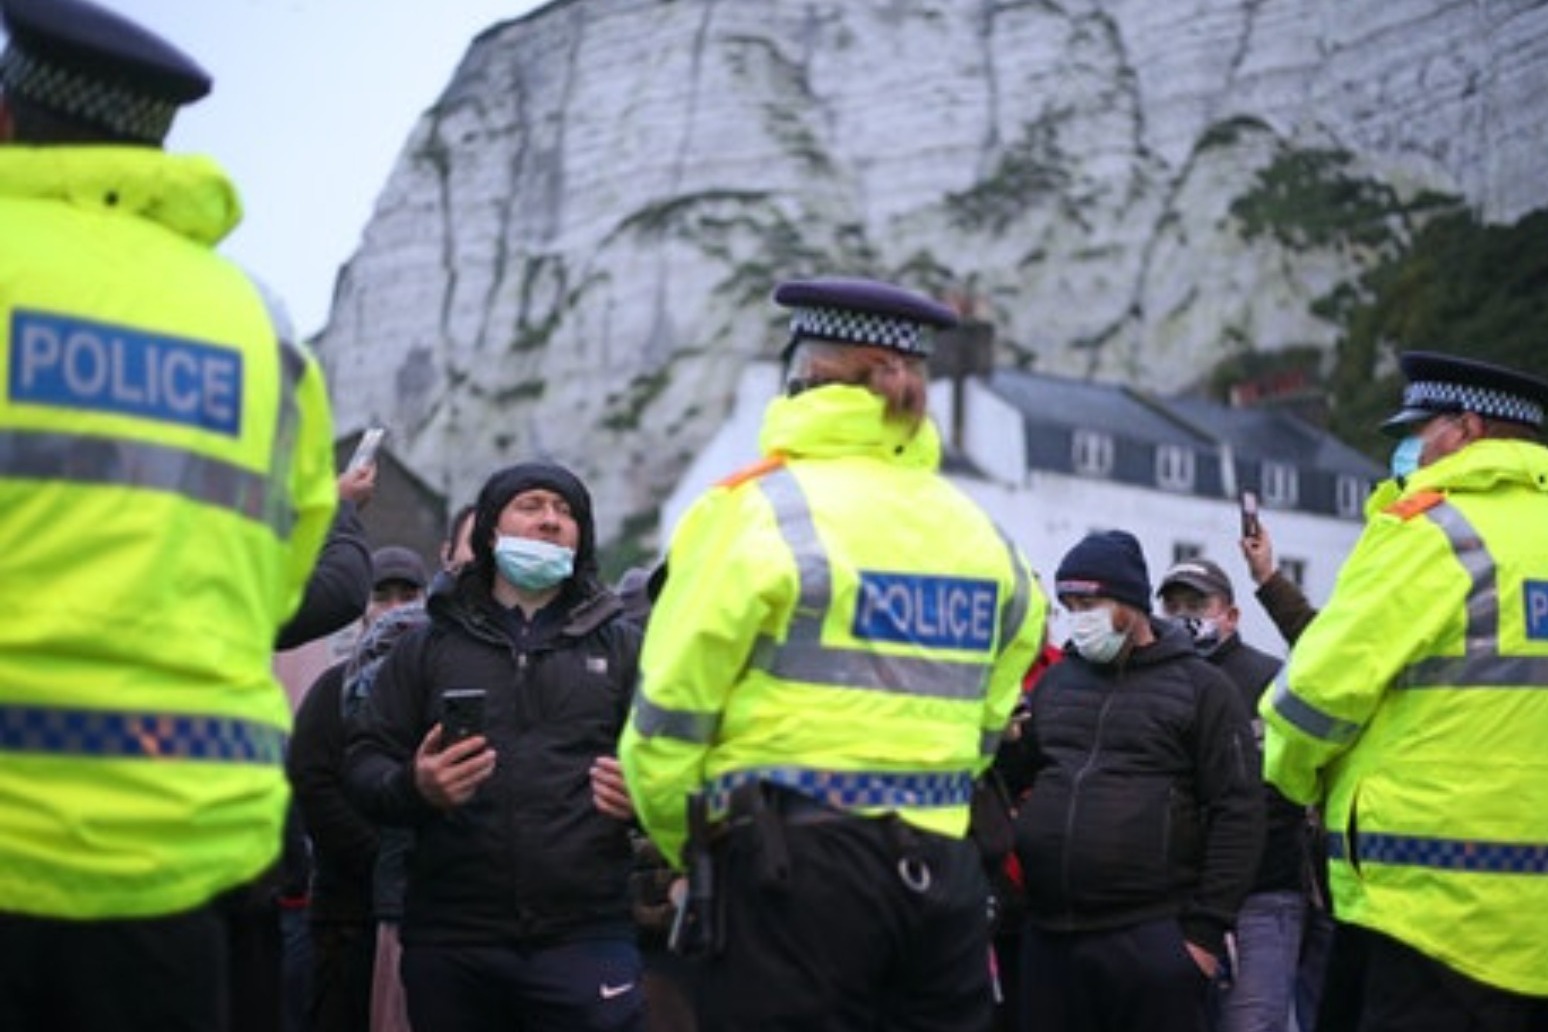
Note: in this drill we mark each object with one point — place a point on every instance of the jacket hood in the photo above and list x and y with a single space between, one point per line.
839 420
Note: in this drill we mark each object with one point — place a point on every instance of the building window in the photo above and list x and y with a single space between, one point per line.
1092 453
1294 570
1185 550
1174 467
1350 495
1281 488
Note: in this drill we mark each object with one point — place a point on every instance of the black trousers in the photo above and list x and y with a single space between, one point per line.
844 943
164 974
1138 978
343 965
1378 984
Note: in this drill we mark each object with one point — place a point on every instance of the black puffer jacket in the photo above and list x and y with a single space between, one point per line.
1146 800
529 858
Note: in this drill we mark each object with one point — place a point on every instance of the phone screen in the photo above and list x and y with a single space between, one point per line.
462 714
1250 527
365 451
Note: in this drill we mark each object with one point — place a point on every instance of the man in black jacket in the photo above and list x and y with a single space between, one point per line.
344 843
517 914
1268 928
1143 828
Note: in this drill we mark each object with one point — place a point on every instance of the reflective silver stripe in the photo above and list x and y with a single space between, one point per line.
280 512
651 720
1530 672
81 459
862 668
1308 718
793 515
802 655
1481 665
1016 606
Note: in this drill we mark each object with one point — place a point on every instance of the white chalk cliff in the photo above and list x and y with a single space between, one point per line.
574 251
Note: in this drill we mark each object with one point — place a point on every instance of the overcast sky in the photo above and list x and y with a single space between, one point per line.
313 100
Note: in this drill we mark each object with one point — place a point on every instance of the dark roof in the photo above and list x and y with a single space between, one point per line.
1272 433
1231 447
1080 404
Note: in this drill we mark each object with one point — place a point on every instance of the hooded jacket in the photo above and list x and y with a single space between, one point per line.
166 484
1414 707
529 858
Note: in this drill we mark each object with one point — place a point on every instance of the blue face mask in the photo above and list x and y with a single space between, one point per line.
532 564
1405 457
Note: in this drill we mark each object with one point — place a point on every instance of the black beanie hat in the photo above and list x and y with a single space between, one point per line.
1106 564
506 484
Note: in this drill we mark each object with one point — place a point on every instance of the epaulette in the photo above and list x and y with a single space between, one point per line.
1419 502
752 471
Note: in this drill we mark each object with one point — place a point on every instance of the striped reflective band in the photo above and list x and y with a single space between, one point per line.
78 459
802 656
1306 717
1481 665
293 364
1020 601
153 736
651 720
1447 854
850 790
862 668
88 459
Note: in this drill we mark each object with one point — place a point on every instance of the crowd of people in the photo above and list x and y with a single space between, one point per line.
821 767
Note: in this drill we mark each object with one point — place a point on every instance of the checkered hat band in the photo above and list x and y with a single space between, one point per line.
103 104
1434 394
853 327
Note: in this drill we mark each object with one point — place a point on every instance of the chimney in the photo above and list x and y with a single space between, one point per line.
960 353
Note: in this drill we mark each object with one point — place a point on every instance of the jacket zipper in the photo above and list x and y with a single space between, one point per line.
1069 817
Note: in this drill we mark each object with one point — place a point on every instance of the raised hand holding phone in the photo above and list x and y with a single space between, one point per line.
1250 526
365 452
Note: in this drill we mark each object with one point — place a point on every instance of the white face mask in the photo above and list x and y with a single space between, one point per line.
533 564
1094 635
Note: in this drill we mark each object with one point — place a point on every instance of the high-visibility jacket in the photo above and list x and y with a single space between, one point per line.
840 621
166 481
1416 705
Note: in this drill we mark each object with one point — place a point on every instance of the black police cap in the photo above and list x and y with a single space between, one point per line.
1438 384
96 68
862 311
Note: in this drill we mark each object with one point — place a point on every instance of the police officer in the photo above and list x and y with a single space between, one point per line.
166 481
830 662
1416 708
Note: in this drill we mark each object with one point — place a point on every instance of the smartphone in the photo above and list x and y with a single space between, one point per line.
462 714
1250 527
365 452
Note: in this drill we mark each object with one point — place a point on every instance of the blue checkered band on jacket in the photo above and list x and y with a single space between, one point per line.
1487 402
105 105
844 324
151 736
849 790
1448 854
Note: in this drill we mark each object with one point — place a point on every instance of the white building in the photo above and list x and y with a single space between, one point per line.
1052 458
